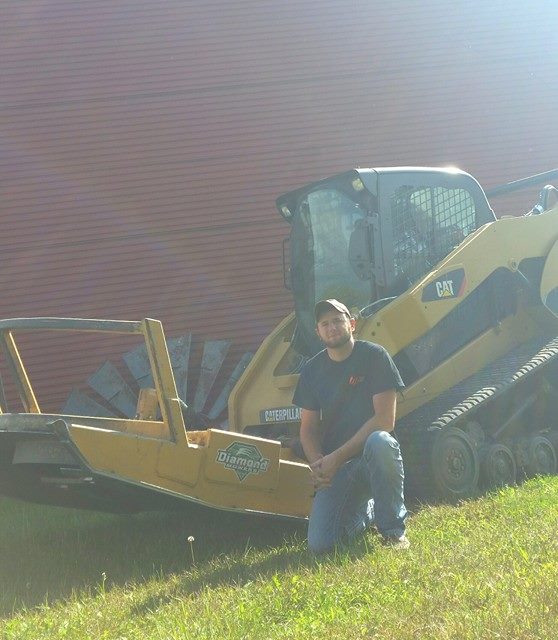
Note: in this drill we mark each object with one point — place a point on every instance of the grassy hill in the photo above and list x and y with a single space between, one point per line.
487 568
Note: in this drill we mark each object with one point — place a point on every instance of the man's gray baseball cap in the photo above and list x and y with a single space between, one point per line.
327 305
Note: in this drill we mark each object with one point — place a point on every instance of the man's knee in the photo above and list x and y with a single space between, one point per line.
381 445
321 539
319 546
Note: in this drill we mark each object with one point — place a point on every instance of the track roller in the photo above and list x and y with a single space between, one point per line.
536 455
498 467
455 464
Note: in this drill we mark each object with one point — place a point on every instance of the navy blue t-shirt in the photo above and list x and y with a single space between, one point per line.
345 389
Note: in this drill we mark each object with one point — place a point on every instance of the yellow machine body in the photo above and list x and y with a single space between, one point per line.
132 464
501 244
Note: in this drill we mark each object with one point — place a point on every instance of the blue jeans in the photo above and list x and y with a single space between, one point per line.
365 490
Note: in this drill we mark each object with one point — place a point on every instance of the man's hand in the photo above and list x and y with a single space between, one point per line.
323 470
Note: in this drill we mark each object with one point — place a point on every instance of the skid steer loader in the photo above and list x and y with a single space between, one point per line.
466 304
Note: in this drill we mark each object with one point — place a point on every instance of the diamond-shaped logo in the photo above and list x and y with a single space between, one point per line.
243 459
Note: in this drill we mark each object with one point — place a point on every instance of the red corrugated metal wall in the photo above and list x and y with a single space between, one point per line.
144 143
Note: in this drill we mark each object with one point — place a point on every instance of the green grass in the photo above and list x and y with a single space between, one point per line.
484 569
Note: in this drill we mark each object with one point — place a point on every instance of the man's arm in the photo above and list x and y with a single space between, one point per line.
384 404
310 436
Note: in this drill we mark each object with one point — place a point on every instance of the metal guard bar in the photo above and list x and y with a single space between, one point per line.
71 324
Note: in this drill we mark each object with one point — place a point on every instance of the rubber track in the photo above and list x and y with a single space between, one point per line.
417 431
479 388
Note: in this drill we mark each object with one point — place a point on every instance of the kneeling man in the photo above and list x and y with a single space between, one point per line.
355 460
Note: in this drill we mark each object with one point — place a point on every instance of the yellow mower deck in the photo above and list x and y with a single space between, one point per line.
83 461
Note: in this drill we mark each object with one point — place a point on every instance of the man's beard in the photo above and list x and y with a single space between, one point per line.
340 341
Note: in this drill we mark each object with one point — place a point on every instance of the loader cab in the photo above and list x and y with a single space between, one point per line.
366 235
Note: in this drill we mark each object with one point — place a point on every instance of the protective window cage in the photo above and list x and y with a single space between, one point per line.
428 222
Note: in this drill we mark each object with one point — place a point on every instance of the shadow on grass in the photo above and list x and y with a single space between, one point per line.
46 554
240 570
236 572
49 553
289 557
